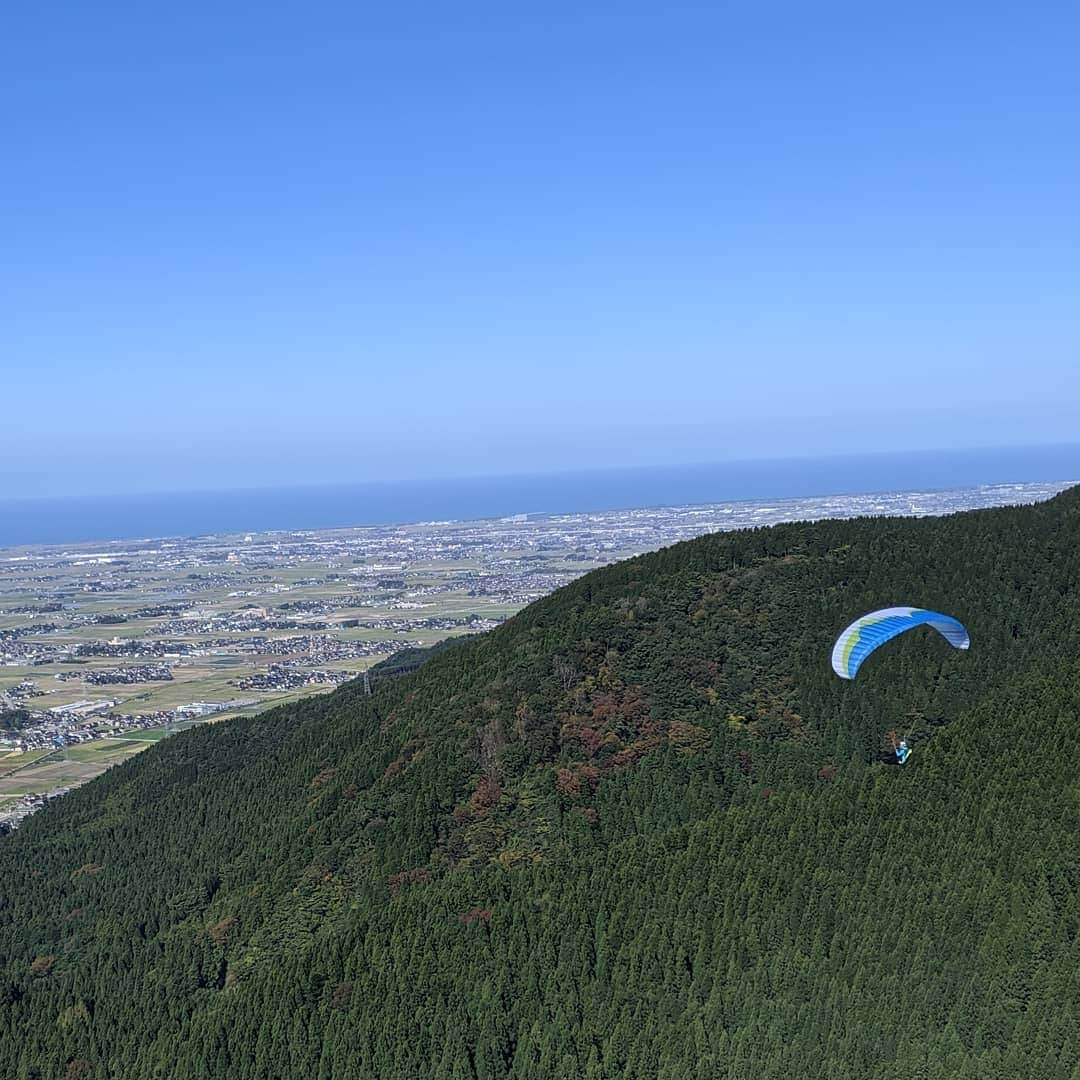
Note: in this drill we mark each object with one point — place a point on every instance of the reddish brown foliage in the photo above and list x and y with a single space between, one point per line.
636 751
745 762
590 774
41 966
407 877
601 712
587 812
567 781
827 773
341 995
575 729
86 870
488 792
626 704
476 914
792 721
77 1069
318 873
576 779
322 777
408 752
221 931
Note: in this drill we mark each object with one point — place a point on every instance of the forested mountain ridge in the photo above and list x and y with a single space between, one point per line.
635 831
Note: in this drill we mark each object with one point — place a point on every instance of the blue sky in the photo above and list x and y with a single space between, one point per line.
250 244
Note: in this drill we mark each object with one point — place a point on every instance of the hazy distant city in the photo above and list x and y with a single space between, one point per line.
107 647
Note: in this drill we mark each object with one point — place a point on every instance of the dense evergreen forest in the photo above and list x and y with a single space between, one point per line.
640 830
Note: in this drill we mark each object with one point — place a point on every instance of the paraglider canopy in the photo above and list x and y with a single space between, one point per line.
869 631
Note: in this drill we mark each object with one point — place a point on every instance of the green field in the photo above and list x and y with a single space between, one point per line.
107 751
146 735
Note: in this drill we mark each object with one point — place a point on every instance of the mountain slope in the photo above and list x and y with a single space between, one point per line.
634 831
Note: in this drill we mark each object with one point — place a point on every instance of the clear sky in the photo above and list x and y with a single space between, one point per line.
259 243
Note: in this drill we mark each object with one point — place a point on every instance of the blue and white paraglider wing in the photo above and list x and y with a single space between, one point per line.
866 633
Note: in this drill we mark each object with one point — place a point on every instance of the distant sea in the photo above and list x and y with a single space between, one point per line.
71 519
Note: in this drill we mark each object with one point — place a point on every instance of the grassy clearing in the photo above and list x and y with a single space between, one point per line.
146 735
13 759
101 750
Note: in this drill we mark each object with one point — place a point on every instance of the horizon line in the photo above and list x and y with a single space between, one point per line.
600 470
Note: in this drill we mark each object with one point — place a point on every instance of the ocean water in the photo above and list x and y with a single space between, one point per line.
71 519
